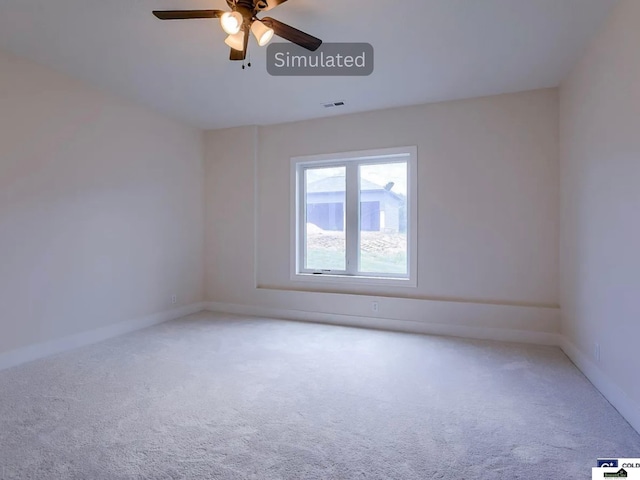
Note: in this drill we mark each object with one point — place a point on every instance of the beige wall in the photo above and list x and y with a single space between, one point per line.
488 211
229 209
600 184
101 211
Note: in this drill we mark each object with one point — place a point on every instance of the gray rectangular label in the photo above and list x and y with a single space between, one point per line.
331 59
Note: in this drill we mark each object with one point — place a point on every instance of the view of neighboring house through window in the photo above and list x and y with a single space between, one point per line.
326 240
353 214
383 218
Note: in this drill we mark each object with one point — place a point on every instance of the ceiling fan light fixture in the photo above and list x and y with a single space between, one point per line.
262 33
236 41
231 22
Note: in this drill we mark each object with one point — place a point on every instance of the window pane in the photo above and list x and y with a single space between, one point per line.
383 218
325 239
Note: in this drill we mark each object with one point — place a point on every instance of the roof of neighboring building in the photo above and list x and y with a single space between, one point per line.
337 184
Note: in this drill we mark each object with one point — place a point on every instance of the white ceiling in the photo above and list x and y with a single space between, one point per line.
426 51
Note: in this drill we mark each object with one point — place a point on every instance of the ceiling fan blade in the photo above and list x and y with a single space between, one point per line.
187 14
265 5
293 34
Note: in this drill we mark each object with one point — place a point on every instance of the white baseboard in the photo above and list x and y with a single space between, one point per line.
481 333
37 351
611 391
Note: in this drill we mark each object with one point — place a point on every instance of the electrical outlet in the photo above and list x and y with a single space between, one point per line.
596 352
375 308
174 299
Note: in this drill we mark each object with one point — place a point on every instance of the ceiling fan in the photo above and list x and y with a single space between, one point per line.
243 19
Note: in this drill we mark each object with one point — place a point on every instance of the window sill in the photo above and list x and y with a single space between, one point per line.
328 279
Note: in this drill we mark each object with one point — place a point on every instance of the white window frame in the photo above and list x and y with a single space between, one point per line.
352 160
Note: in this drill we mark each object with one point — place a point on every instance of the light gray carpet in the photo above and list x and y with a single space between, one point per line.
215 396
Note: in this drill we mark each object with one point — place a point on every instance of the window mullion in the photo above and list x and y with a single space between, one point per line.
302 218
352 220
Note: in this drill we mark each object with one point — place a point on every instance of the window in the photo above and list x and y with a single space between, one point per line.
354 217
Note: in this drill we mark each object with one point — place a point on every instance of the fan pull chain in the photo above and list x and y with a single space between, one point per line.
249 63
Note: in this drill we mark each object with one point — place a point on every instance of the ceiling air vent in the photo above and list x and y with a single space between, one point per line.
333 104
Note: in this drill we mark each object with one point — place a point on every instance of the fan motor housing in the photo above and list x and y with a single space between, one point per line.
252 5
